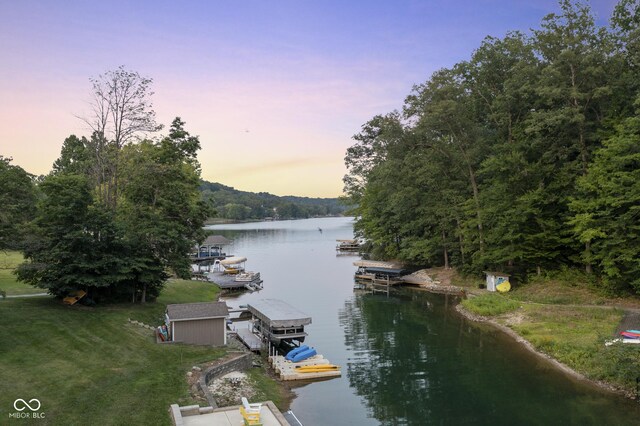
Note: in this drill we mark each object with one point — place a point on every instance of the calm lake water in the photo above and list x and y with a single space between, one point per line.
407 359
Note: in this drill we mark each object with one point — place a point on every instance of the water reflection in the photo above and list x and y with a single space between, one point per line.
408 359
414 361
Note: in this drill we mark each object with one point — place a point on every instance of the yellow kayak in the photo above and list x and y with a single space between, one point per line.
317 368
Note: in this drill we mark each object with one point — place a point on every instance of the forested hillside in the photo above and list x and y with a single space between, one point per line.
230 203
523 158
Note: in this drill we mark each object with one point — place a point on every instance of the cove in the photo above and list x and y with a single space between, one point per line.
407 359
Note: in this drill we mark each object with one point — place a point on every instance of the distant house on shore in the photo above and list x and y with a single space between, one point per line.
198 323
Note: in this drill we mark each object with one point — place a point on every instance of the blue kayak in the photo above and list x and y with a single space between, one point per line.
296 351
301 356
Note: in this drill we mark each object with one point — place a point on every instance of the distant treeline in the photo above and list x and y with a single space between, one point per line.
524 158
230 203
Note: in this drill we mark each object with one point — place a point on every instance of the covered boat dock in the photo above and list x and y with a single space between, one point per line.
379 276
278 322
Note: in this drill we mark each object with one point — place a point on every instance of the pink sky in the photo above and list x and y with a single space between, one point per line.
274 90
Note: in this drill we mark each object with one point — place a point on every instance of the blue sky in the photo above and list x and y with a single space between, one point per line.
275 90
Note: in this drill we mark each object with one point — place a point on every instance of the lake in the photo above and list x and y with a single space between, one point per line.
407 359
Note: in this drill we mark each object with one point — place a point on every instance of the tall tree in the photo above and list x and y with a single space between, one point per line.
444 113
121 111
161 210
607 215
574 87
74 244
17 203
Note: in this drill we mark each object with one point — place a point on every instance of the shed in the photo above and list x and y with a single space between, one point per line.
494 279
198 323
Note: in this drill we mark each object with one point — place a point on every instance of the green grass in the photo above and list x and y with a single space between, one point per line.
9 260
90 366
267 389
490 304
575 336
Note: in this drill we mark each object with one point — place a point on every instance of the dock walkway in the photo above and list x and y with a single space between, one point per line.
249 339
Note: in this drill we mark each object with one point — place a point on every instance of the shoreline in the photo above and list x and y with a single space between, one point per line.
549 359
445 287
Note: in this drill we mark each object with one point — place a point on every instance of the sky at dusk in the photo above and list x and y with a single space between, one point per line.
274 89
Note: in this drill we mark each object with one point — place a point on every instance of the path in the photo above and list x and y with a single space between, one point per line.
15 296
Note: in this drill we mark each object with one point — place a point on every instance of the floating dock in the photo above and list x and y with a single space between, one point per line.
286 369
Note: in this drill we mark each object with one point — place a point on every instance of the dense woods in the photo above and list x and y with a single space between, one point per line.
524 158
230 203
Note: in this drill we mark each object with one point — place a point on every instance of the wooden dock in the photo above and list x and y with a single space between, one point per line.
249 339
227 281
286 369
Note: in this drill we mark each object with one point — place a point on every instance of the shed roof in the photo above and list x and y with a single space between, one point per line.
385 271
277 313
216 240
496 274
202 310
376 264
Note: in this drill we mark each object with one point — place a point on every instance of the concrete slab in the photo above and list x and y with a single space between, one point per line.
230 416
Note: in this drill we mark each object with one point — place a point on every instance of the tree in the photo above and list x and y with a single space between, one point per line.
161 212
17 203
74 244
124 253
121 111
607 214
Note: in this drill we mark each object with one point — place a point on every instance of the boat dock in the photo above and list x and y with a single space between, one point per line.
378 276
286 369
348 245
249 339
229 282
279 323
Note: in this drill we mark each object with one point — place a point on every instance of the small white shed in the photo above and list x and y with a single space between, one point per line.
495 278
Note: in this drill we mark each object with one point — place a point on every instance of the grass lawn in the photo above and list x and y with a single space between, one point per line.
9 260
90 366
489 304
575 336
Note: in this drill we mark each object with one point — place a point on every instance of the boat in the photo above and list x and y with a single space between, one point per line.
629 335
231 265
301 356
296 351
247 276
253 286
318 370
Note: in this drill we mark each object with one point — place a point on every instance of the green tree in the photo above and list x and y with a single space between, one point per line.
17 203
607 215
74 244
161 211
